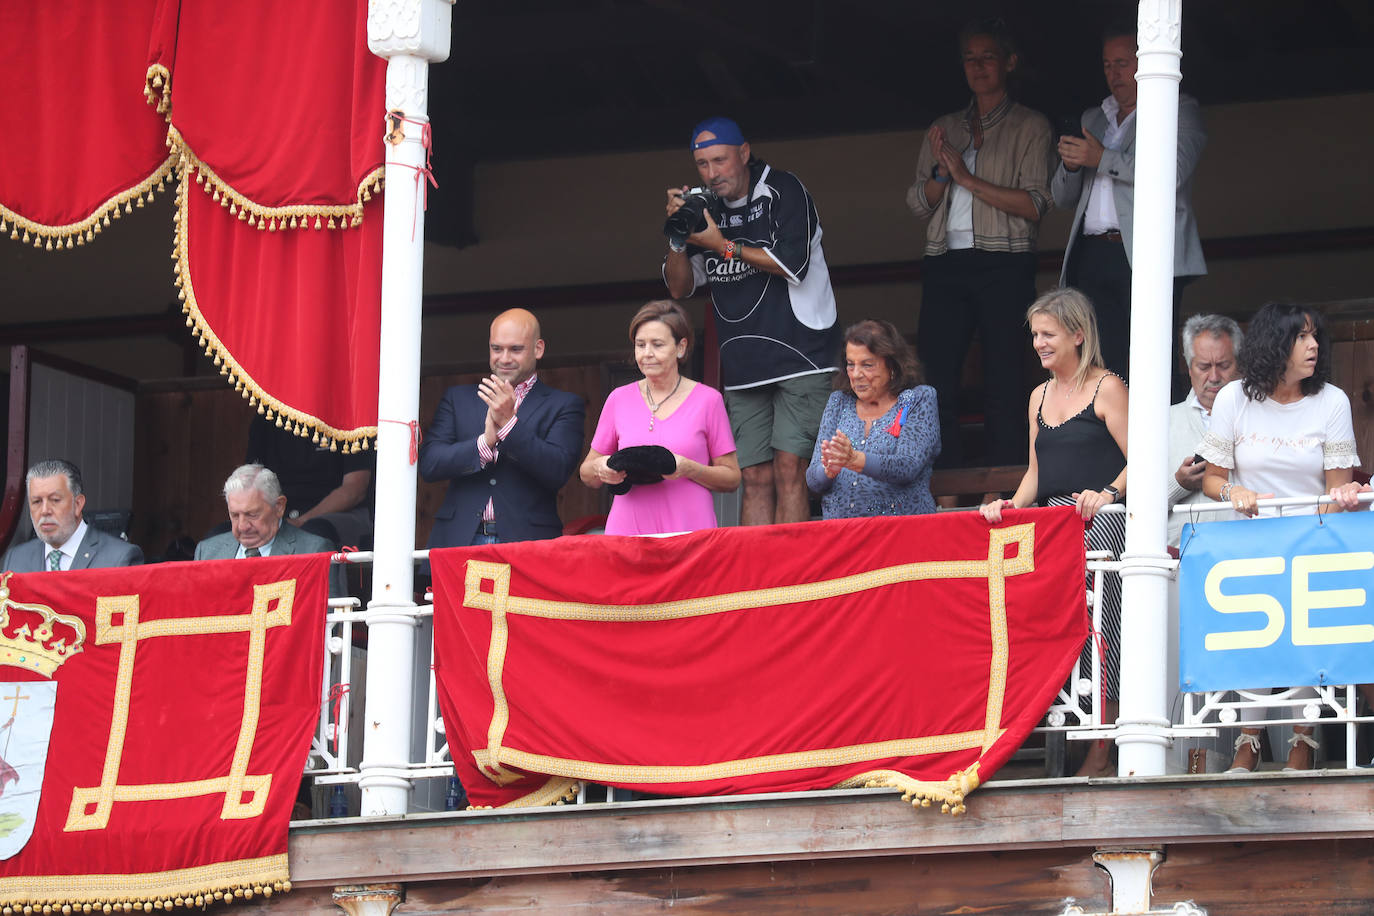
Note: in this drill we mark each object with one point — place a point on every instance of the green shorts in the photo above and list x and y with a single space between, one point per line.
780 416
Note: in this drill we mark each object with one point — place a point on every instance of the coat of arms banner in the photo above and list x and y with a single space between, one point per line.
158 722
912 652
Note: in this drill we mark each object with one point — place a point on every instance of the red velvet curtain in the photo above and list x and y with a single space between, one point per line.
269 116
913 652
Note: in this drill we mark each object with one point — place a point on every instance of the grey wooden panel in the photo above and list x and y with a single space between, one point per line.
89 423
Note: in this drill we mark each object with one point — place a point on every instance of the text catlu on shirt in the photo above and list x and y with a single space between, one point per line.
771 327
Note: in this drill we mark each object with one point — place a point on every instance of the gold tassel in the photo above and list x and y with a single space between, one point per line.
49 244
69 242
332 224
333 446
317 224
315 439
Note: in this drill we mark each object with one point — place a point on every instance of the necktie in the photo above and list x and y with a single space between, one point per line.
252 552
54 560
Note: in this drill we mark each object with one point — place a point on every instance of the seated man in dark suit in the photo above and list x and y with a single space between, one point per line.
256 508
65 541
506 445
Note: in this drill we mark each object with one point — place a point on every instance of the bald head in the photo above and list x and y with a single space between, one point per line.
515 345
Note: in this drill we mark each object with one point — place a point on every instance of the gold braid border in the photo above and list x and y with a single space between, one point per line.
299 422
183 887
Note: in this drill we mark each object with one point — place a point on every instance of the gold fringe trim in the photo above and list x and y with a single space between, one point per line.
157 89
201 886
556 791
950 793
298 422
56 238
272 219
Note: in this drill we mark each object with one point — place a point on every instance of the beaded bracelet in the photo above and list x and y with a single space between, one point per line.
1225 491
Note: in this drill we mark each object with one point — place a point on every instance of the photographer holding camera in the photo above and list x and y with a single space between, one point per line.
752 233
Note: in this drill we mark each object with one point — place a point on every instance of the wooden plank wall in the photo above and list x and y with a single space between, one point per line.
1293 878
90 423
1352 370
189 440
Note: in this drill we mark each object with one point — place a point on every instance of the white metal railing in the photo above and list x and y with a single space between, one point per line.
1077 711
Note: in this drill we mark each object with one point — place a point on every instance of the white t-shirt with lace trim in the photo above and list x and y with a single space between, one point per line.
1283 449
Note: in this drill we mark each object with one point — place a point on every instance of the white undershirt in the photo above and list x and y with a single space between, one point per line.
959 229
1100 215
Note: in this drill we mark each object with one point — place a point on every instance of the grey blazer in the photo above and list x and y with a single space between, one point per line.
1068 187
98 550
290 540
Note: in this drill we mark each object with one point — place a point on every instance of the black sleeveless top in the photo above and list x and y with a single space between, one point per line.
1078 454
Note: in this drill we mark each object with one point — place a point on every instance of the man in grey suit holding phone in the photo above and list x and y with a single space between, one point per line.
1096 177
56 500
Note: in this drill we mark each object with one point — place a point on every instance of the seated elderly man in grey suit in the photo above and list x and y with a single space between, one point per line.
56 500
256 508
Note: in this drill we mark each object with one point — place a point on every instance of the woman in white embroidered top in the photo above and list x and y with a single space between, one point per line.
1282 430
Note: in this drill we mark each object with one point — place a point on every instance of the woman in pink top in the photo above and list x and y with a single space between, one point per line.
664 408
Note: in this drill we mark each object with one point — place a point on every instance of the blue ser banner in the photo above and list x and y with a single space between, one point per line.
1277 602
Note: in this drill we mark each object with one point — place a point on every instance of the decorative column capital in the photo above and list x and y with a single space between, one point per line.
1160 26
415 28
368 899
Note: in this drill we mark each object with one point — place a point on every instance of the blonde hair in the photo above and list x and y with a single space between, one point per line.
1075 314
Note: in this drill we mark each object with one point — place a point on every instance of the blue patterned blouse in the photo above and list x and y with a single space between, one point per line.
896 474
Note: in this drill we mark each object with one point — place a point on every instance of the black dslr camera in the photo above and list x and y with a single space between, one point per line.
691 216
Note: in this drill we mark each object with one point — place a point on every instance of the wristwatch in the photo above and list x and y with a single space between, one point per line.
676 246
1115 493
935 173
729 250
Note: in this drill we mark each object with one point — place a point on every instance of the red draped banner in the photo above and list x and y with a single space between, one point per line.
276 112
174 705
913 652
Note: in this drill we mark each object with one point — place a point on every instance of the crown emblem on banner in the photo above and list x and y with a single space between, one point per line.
34 636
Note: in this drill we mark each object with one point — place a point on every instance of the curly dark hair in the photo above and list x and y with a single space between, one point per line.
1268 344
883 340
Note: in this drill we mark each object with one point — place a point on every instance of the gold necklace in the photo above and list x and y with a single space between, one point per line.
653 408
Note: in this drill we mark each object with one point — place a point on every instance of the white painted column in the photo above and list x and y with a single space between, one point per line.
409 34
1143 723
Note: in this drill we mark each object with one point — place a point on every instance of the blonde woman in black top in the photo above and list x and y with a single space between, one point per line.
1078 457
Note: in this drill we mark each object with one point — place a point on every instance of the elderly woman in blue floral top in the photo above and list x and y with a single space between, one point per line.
884 430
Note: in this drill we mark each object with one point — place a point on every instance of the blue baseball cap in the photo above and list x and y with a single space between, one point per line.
725 130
